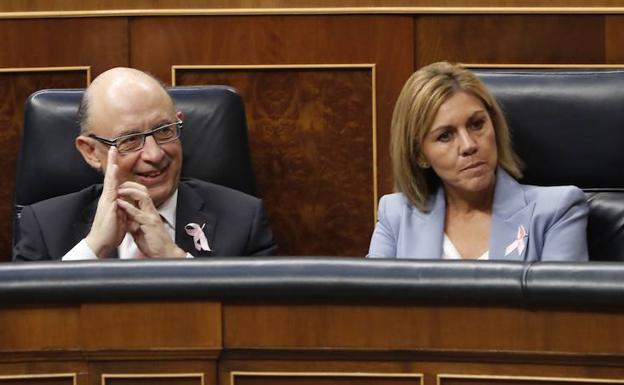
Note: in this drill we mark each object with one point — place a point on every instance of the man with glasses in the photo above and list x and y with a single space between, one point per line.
130 131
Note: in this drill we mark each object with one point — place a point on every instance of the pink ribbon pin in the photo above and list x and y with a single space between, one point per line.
199 238
518 243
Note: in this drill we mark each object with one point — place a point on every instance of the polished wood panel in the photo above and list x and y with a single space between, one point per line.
614 39
154 379
39 366
311 133
321 378
385 41
362 342
36 381
518 39
278 5
65 42
519 380
26 328
151 325
15 87
424 327
430 364
302 380
39 379
188 370
422 338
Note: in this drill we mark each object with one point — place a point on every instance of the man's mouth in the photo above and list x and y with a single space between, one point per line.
151 177
151 174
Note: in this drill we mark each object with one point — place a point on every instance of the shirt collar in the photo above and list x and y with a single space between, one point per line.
168 209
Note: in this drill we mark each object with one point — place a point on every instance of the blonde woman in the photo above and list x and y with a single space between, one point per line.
455 172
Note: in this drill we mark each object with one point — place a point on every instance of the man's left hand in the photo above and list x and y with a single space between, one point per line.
144 222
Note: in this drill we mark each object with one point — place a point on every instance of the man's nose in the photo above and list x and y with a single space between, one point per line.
467 144
151 150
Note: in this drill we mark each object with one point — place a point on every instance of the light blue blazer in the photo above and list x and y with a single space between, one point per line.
555 220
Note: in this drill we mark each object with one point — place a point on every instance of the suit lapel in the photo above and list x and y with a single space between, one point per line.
82 227
191 209
510 211
428 239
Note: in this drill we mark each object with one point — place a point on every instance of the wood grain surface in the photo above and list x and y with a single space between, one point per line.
278 5
311 134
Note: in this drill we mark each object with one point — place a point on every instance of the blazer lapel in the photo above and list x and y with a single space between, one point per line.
82 227
511 219
190 209
427 240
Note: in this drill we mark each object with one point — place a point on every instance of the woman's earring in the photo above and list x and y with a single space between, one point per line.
424 165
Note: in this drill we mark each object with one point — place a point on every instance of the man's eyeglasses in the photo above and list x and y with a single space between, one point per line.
135 142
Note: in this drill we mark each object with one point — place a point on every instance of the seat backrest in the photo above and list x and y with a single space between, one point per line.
567 126
214 141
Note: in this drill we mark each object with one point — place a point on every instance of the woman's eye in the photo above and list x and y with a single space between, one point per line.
477 124
444 137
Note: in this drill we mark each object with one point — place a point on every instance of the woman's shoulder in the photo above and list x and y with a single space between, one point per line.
397 198
395 203
396 208
553 203
549 195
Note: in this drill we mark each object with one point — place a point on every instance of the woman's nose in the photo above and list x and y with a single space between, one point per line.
467 144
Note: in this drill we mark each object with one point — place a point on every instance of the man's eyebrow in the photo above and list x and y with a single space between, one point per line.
132 131
164 122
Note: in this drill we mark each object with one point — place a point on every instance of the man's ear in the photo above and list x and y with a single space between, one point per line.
180 115
86 147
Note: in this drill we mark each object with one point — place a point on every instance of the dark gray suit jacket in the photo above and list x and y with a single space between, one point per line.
235 223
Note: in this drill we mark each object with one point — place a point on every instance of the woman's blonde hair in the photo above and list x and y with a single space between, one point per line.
414 112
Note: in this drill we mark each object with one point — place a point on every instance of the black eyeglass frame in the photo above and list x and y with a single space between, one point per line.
143 135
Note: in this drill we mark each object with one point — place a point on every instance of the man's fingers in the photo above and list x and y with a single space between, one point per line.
137 215
141 196
122 217
133 227
111 181
131 184
131 211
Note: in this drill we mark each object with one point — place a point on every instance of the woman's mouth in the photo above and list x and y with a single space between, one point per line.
473 166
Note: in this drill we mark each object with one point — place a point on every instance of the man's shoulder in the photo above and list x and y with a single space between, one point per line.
77 199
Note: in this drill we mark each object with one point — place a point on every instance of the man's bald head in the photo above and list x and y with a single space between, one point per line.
130 104
117 86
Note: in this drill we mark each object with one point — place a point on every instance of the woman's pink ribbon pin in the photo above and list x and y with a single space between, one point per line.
518 243
199 238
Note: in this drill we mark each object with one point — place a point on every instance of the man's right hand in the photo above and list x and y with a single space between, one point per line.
109 224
